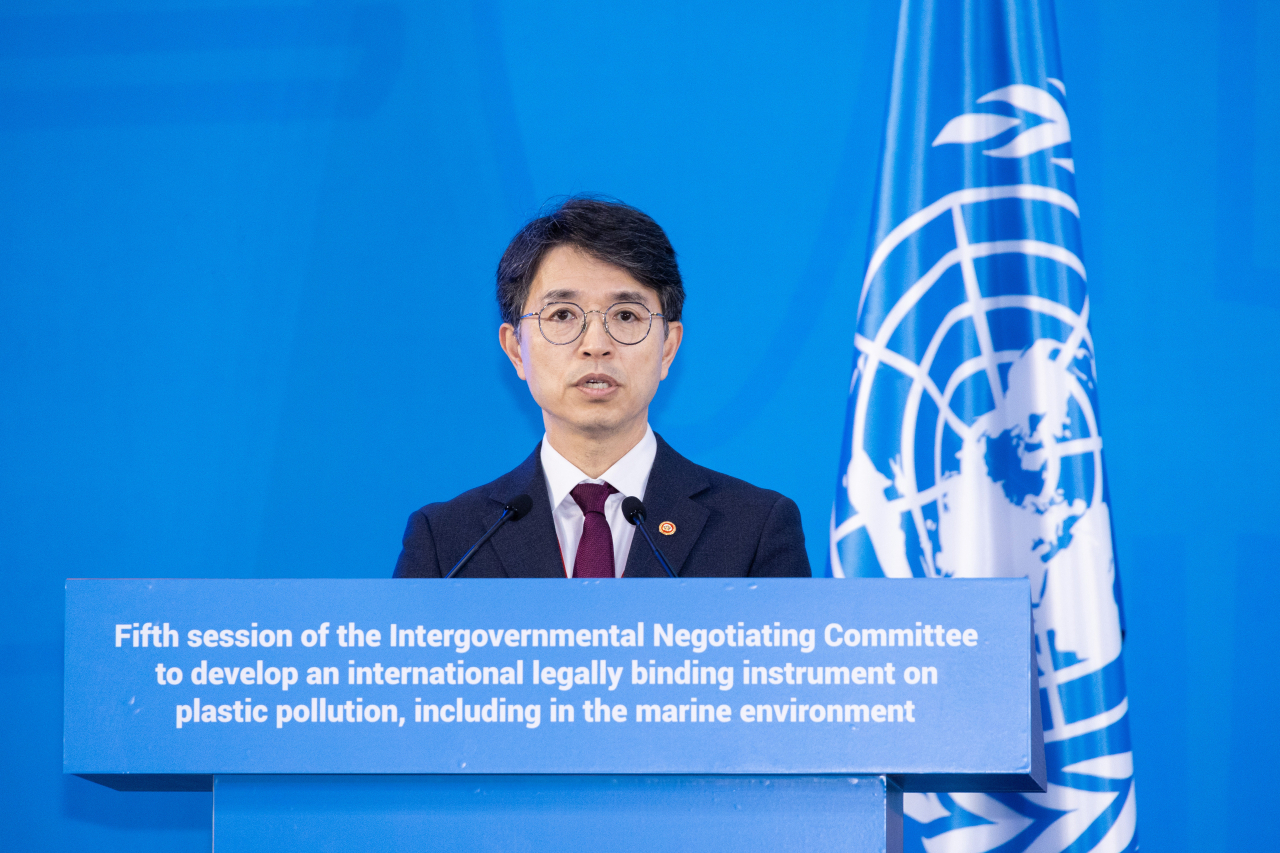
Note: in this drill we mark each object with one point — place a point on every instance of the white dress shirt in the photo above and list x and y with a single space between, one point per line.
629 475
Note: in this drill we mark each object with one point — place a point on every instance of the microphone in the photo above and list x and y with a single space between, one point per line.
514 509
633 511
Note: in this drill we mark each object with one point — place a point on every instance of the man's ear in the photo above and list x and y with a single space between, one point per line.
670 345
509 340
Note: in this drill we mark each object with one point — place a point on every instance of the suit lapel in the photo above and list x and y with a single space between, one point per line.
527 548
672 482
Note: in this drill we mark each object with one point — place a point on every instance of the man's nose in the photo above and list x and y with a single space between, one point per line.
595 341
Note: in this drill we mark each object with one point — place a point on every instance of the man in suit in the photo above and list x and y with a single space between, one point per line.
590 297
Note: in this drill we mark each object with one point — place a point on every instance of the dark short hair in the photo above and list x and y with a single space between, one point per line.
608 231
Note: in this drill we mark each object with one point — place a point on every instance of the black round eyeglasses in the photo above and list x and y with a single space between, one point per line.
562 323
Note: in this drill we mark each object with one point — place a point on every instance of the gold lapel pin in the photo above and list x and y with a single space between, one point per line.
666 528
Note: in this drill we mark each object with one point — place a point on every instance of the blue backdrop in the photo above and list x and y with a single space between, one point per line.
246 314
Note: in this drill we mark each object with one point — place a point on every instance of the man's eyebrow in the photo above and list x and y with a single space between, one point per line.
568 295
559 295
629 296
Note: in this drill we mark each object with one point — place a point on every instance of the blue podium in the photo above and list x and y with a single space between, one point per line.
531 714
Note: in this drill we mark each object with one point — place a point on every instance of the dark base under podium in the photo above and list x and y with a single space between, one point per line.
568 814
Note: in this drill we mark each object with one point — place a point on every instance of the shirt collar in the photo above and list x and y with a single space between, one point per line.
629 475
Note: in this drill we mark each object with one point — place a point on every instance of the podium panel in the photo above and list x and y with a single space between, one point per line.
574 715
568 814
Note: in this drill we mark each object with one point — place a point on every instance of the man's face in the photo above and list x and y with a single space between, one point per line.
593 386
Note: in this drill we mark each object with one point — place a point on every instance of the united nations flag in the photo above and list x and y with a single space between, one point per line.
972 445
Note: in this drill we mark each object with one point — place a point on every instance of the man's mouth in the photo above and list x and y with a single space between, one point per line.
596 382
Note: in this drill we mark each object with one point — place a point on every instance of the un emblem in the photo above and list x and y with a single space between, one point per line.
974 450
993 452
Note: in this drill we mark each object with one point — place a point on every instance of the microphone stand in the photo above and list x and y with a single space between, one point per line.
634 512
656 552
513 510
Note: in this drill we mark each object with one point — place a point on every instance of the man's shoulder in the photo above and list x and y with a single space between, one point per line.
727 487
731 528
464 507
439 534
459 508
715 485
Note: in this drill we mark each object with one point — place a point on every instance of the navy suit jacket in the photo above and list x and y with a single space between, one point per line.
724 527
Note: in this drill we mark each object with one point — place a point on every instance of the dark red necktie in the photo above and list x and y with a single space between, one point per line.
595 549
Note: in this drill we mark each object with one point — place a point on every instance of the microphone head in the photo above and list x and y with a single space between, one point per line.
633 510
519 506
